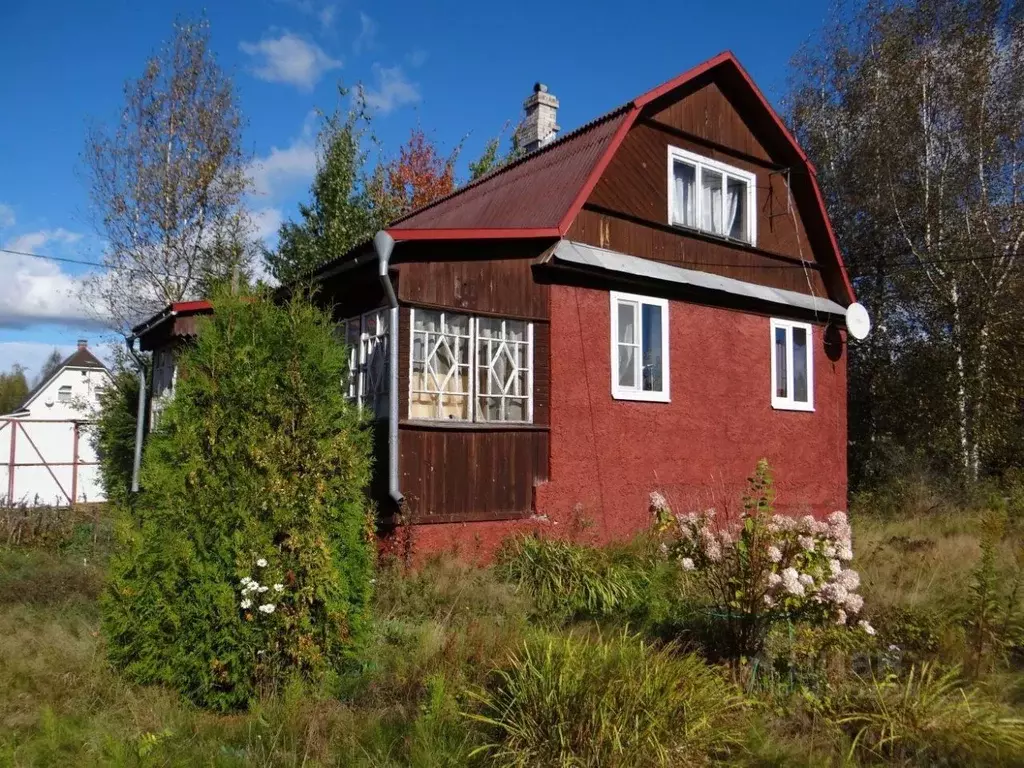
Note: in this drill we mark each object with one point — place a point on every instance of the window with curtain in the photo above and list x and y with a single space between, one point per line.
711 197
792 366
465 368
366 338
639 347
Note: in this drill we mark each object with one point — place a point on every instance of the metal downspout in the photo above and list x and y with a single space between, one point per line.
384 244
140 417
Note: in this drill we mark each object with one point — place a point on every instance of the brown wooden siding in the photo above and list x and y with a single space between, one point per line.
468 471
628 209
455 474
639 239
352 293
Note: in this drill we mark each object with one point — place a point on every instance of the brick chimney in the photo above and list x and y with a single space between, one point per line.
83 343
539 126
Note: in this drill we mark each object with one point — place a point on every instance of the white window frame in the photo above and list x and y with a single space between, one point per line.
65 394
699 162
788 403
474 365
638 392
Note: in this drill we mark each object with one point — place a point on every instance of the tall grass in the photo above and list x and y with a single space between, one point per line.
565 701
566 580
930 718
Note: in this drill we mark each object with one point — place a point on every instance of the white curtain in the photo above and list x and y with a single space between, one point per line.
711 201
683 200
732 205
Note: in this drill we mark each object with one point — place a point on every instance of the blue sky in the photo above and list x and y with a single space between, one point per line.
458 70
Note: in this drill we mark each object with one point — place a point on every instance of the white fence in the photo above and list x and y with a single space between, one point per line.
47 462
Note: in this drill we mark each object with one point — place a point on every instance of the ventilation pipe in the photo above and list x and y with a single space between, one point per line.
384 244
140 417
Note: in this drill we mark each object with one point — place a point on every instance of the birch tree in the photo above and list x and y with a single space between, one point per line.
914 113
166 184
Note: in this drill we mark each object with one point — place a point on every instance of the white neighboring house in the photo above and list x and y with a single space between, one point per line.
46 456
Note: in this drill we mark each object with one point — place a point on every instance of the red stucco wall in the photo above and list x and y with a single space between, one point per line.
608 455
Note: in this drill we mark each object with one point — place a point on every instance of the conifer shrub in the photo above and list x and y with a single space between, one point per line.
248 557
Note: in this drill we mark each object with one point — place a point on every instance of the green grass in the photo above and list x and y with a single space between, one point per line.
534 662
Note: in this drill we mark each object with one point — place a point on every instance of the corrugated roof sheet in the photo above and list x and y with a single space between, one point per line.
534 192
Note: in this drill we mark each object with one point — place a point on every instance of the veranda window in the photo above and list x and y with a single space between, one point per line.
710 196
366 337
465 368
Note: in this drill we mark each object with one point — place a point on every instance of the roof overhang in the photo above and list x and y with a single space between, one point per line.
601 260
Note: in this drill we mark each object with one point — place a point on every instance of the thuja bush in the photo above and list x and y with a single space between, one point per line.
760 568
248 558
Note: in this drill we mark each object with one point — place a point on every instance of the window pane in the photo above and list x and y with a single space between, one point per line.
441 366
684 202
652 362
780 363
501 358
627 365
627 323
736 209
711 201
800 365
428 321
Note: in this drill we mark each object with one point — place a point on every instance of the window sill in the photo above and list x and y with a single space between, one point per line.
784 406
642 397
713 236
473 426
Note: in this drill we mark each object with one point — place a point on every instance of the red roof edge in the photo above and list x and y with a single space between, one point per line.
191 306
472 234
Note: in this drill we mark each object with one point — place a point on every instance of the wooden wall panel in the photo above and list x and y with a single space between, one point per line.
704 254
351 293
706 111
495 286
450 474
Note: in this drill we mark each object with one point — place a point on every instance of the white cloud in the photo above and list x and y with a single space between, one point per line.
266 222
367 36
417 58
283 167
289 59
32 241
326 16
6 216
37 291
391 90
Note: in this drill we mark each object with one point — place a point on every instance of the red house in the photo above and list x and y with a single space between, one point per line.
653 301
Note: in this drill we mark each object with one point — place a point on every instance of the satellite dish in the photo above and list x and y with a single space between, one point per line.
858 323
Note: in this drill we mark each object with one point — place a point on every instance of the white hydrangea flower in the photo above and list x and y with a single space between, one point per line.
863 624
833 592
808 523
845 552
687 564
853 603
769 601
262 563
658 501
774 554
791 582
835 567
849 578
267 608
774 580
246 604
806 579
829 551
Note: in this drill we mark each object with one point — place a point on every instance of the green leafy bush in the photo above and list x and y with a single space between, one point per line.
248 558
566 701
567 580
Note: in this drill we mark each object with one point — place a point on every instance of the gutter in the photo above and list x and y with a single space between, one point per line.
384 244
140 417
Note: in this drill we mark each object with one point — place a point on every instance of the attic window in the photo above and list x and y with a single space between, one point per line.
64 394
711 197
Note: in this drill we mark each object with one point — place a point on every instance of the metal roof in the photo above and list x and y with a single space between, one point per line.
531 193
588 256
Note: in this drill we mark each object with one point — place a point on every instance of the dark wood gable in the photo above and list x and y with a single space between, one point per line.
715 116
